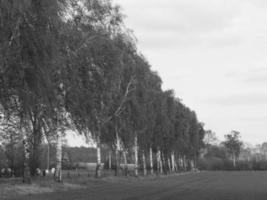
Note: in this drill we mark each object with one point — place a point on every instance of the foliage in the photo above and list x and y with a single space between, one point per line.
233 144
74 65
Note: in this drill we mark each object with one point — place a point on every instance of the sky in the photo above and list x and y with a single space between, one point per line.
213 54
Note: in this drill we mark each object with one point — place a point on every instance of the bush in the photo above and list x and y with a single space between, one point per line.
215 163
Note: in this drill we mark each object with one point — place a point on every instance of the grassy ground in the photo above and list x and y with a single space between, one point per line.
196 186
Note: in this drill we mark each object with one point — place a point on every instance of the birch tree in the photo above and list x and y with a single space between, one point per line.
233 145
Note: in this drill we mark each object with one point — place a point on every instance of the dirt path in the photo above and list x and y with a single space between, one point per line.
200 186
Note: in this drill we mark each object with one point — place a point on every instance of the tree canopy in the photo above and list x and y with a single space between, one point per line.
75 64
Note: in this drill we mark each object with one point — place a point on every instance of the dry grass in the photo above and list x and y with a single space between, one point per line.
10 188
185 186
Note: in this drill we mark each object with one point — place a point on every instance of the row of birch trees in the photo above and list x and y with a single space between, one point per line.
68 64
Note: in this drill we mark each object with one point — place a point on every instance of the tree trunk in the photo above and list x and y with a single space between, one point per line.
35 153
184 163
26 170
181 162
98 157
125 163
144 163
163 163
176 163
136 155
234 161
109 160
160 163
169 165
195 161
173 162
158 158
48 156
12 150
117 167
192 166
151 161
58 172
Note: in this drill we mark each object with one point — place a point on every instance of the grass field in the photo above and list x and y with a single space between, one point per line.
194 186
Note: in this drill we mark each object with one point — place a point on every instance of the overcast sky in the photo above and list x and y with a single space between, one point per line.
213 53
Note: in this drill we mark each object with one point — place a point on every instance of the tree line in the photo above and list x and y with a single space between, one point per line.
74 65
232 153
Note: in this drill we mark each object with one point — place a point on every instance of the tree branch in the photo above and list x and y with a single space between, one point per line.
124 98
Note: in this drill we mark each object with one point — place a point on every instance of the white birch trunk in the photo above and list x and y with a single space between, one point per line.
144 163
192 165
181 163
151 161
136 155
48 156
117 154
58 173
234 160
109 160
125 157
173 162
158 158
163 162
160 163
98 157
60 131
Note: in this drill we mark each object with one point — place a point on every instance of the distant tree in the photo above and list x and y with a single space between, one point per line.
233 145
210 138
246 153
215 151
264 150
